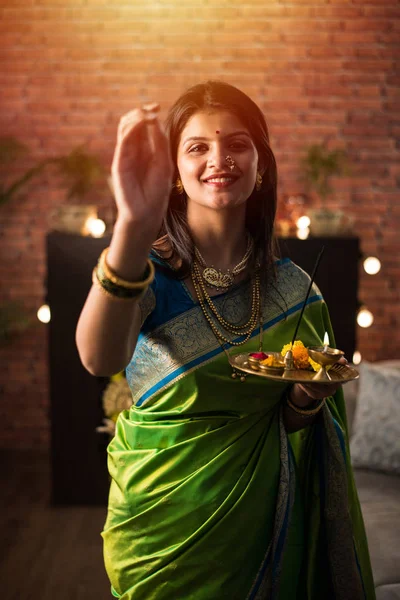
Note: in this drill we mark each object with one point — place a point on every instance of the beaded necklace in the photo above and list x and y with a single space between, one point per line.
246 329
211 313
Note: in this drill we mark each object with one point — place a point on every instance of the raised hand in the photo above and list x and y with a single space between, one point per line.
142 169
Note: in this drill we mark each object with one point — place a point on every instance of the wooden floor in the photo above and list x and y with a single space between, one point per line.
46 553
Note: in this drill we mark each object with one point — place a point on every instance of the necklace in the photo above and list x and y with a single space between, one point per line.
213 317
219 279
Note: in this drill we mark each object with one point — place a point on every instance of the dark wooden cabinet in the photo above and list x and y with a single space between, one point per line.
337 278
78 452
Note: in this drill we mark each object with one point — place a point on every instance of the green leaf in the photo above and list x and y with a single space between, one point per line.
11 149
319 164
13 320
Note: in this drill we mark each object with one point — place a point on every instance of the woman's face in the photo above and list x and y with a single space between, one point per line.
206 142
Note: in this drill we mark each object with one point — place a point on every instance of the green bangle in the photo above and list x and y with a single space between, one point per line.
109 274
114 290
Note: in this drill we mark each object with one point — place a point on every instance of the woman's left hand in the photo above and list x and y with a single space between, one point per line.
304 394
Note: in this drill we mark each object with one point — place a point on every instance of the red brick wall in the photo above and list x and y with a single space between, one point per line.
321 71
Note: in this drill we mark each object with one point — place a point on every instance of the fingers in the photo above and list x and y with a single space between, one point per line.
150 114
134 118
137 118
319 391
132 138
129 125
160 145
151 107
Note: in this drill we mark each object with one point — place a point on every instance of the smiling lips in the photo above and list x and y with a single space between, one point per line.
220 180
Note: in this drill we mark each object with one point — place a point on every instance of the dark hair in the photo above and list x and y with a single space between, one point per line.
175 243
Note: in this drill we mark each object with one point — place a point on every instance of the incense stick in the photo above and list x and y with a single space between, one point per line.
308 293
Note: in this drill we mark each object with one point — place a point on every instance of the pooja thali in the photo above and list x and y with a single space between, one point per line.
338 372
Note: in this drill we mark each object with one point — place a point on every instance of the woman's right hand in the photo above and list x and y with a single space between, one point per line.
142 169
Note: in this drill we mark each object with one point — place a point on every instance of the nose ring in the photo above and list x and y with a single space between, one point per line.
230 162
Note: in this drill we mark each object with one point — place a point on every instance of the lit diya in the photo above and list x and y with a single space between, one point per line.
325 357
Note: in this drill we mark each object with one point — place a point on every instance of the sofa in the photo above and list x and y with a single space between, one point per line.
378 488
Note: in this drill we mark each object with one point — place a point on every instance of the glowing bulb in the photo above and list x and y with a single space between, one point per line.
96 227
357 357
372 265
302 233
303 222
365 318
44 314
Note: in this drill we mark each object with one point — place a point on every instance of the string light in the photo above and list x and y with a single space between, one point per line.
303 222
44 314
303 227
357 357
365 318
372 265
96 227
302 233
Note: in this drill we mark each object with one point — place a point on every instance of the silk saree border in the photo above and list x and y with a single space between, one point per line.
332 465
266 582
186 342
346 575
178 371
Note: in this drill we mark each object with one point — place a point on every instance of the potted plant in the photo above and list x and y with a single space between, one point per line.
12 150
13 317
80 172
318 165
79 169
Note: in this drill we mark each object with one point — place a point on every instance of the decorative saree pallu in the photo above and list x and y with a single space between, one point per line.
210 498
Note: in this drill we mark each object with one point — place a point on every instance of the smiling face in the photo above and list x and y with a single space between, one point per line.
206 141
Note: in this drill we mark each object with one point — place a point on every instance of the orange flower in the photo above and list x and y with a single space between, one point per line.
301 358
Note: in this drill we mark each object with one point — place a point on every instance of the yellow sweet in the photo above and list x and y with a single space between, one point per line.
270 362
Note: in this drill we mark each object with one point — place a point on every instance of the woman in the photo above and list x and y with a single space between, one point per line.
219 488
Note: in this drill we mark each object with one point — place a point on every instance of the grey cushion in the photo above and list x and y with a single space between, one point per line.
350 390
375 441
388 592
379 496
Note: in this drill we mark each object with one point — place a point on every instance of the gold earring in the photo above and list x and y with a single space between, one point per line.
258 181
179 186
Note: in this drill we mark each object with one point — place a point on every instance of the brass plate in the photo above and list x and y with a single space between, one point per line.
338 372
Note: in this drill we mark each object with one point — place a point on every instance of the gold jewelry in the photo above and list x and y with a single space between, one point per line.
230 162
201 293
258 181
129 285
304 412
179 186
223 280
101 284
246 329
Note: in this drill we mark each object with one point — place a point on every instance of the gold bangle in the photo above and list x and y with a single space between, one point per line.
303 411
96 281
130 285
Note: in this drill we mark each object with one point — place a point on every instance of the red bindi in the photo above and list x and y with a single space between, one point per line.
217 131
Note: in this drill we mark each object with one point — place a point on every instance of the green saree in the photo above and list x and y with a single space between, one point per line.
210 498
